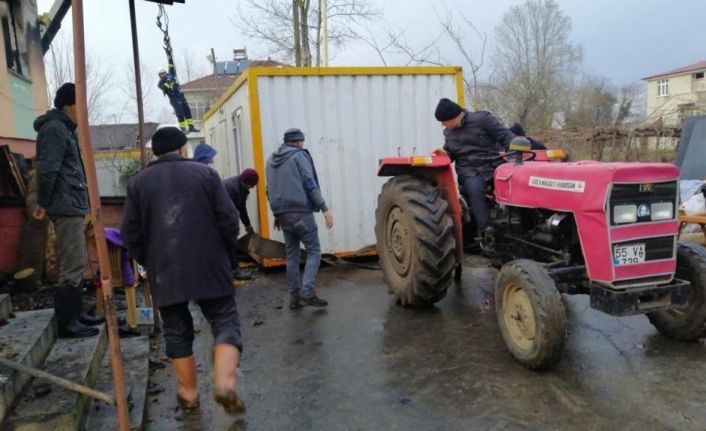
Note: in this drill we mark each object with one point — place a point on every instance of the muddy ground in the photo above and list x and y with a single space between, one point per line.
364 363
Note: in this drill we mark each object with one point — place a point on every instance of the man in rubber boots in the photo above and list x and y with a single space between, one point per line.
294 195
62 194
471 139
170 87
179 223
238 188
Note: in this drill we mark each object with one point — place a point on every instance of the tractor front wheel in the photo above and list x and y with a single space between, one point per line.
530 313
687 323
415 240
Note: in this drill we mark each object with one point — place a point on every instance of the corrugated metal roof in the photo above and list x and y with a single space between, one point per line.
685 69
118 136
210 82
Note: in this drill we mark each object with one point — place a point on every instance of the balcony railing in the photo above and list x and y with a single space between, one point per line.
698 85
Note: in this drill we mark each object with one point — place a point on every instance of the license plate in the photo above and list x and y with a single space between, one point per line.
628 254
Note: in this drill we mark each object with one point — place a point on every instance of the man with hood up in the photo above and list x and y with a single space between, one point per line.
204 153
62 195
294 194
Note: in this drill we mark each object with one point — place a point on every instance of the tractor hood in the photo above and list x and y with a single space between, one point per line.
583 188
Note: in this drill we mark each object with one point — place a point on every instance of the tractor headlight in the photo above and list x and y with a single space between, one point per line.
624 214
662 211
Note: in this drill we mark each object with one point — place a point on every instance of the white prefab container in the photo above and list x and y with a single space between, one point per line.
351 117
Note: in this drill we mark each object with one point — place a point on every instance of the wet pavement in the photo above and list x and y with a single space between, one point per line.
364 363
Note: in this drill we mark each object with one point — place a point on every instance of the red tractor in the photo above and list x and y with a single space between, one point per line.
608 230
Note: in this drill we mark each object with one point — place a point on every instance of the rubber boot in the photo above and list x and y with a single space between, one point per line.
90 319
66 311
187 382
241 274
82 316
225 363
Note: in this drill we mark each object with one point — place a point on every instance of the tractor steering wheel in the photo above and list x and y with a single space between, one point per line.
508 157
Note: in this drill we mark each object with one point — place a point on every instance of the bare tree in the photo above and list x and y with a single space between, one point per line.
593 104
286 26
631 108
474 61
188 67
392 46
534 62
128 89
59 68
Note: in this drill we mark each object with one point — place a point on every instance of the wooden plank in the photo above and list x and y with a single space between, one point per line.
11 173
692 219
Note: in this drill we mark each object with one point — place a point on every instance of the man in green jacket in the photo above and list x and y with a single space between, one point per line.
62 195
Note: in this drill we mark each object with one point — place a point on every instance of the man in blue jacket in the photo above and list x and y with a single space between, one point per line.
169 85
294 194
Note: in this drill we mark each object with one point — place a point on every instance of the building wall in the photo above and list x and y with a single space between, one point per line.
23 96
683 91
111 169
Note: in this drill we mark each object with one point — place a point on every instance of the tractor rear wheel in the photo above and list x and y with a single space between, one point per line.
687 323
530 313
415 240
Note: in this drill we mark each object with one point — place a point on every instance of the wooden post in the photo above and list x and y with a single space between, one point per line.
94 199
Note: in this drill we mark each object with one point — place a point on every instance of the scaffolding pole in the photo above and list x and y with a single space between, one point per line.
94 199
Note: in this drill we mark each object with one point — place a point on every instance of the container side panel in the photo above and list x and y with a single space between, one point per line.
350 122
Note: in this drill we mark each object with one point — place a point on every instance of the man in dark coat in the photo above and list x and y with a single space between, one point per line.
238 188
472 138
62 195
518 130
180 224
294 194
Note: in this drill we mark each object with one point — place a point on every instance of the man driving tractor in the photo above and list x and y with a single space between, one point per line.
471 140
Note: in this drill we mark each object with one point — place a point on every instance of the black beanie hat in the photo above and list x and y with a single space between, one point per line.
293 135
447 110
65 95
167 139
517 129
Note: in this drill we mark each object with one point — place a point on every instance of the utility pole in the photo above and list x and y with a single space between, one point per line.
323 10
297 34
213 61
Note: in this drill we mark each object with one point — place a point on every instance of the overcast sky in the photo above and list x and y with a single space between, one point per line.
623 40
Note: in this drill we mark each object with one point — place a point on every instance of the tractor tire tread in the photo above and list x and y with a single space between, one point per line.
434 240
549 310
694 327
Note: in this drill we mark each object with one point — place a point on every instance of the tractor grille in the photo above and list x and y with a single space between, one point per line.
639 194
655 248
